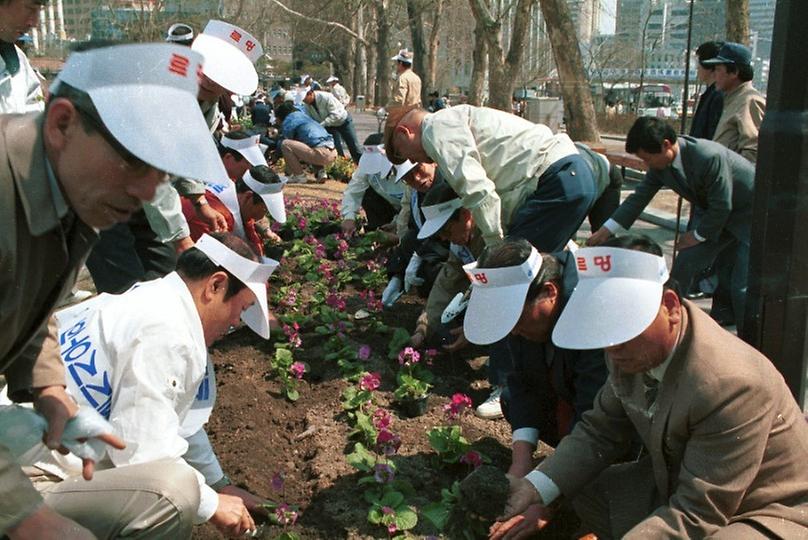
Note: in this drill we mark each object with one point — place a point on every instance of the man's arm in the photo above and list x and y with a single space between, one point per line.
20 499
398 95
628 212
352 196
336 111
165 216
39 365
749 121
403 216
450 281
717 179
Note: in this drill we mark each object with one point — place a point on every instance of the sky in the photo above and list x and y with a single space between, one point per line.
608 8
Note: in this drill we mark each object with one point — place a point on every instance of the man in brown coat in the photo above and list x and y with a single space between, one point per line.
99 150
407 89
725 444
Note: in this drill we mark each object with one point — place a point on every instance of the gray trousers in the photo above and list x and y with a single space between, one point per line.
149 500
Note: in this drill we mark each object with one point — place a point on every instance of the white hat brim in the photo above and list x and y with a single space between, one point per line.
156 142
253 154
257 316
590 321
493 312
432 226
275 206
226 65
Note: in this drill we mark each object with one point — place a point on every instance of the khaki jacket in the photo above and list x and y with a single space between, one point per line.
727 441
740 121
39 262
406 90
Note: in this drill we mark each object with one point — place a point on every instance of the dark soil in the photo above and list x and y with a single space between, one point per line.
485 491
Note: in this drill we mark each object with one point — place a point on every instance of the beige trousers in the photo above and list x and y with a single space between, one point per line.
296 153
150 500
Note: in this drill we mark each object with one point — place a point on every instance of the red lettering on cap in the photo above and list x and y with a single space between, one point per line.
250 45
179 64
581 261
235 36
605 262
481 277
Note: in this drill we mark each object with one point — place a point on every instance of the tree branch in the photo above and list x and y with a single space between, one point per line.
332 24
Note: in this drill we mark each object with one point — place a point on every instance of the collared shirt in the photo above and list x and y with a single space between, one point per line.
406 90
492 159
385 186
59 203
20 92
327 110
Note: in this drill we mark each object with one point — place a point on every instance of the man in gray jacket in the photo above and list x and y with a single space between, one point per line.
709 176
332 115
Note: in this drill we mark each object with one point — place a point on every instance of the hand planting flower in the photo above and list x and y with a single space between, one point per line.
387 442
383 473
370 382
382 419
473 458
408 356
297 369
364 352
455 408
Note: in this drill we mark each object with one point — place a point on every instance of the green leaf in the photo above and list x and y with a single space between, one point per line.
366 480
406 518
375 515
288 535
361 459
392 499
283 357
292 394
398 341
436 513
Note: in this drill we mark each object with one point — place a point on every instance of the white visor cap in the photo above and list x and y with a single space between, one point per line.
331 79
145 95
403 169
617 297
230 56
436 216
253 274
271 194
249 148
497 298
373 161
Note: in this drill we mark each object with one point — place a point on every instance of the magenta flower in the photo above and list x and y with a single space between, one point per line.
370 382
320 252
342 246
386 510
275 226
302 224
455 408
383 473
408 357
392 529
387 442
472 458
310 240
286 516
293 333
291 299
334 301
382 419
364 352
277 482
297 369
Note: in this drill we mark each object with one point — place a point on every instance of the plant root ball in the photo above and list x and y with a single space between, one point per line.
485 492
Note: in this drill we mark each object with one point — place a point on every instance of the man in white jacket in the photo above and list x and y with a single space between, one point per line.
140 359
325 108
20 91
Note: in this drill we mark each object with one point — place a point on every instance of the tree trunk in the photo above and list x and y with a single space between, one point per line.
434 44
415 19
383 25
738 21
579 110
480 66
361 61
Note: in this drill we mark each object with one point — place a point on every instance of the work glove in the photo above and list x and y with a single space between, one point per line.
392 292
411 273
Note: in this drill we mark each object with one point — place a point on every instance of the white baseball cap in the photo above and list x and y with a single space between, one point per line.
436 216
403 169
145 94
374 160
271 194
331 79
497 298
253 274
230 56
249 148
404 55
617 297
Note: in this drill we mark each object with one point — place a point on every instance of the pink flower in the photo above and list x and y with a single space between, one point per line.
387 442
342 246
277 481
370 382
386 510
382 419
310 240
472 458
291 299
297 369
275 226
335 302
364 352
286 516
392 529
292 332
455 408
408 356
320 251
302 224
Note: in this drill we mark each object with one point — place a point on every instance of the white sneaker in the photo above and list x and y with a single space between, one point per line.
322 176
491 409
298 179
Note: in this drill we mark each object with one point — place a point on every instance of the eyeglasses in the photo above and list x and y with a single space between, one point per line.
132 163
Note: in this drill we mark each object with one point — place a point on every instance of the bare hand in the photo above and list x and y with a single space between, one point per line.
45 524
212 218
253 503
599 236
459 343
232 517
687 240
183 244
522 495
348 227
417 339
524 525
270 236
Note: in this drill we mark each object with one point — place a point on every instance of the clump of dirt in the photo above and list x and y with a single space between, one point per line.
485 492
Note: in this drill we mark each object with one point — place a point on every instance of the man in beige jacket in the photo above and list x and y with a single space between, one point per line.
407 89
744 106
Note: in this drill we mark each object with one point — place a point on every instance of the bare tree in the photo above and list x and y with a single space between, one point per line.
415 20
434 44
383 25
738 21
579 110
480 68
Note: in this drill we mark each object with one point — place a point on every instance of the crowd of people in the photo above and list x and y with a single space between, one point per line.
665 424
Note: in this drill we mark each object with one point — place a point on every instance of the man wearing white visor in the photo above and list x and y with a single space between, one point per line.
153 380
724 441
101 148
243 204
517 294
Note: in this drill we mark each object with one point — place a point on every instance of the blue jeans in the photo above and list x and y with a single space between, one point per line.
346 131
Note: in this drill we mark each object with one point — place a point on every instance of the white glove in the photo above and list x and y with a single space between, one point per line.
392 292
87 424
411 273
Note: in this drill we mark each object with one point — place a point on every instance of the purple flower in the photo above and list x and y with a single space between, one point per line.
297 369
277 482
364 352
472 458
383 473
454 409
408 357
370 382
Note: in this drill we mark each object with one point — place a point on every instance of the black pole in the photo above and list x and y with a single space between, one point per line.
686 90
776 315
